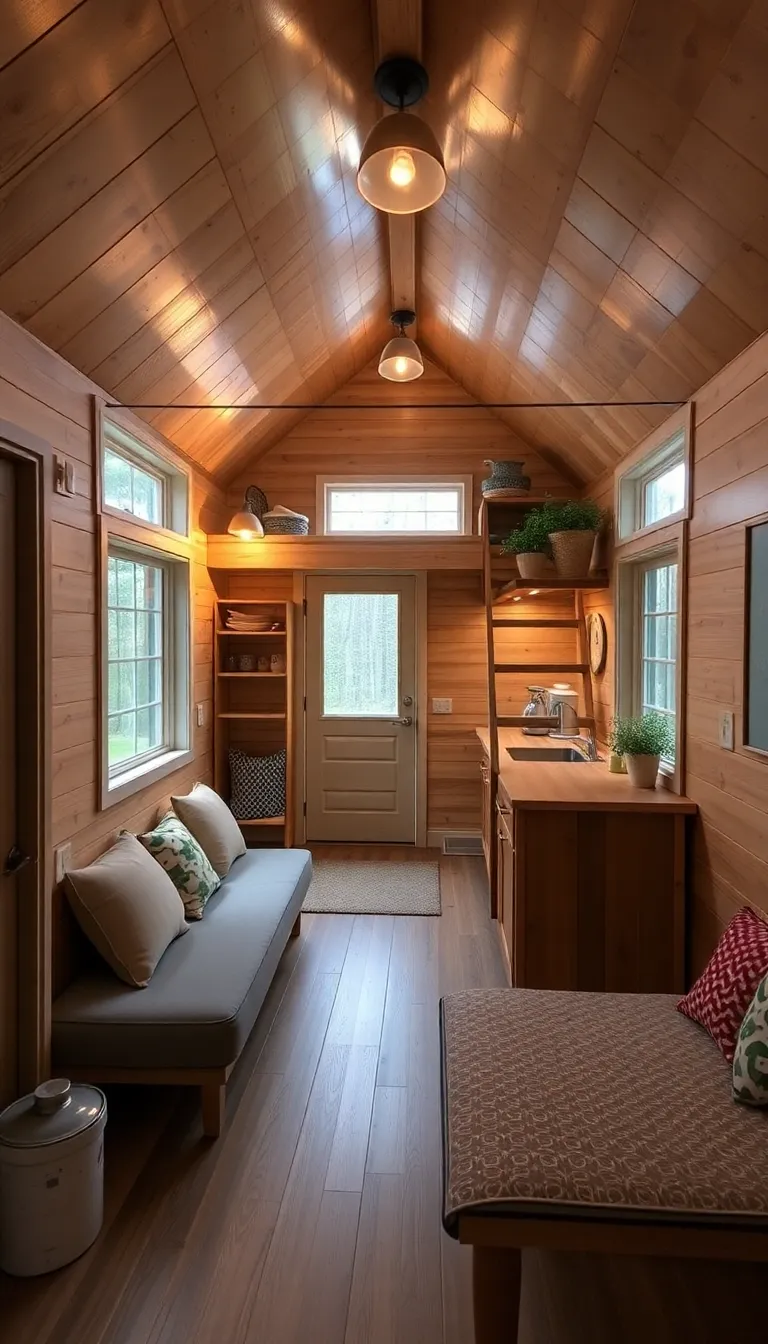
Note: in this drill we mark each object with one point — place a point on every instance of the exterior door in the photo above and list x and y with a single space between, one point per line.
361 708
9 941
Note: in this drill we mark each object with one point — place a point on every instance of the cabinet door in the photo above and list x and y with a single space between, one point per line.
487 818
506 883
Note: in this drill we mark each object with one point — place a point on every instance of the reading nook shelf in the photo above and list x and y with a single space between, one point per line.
252 705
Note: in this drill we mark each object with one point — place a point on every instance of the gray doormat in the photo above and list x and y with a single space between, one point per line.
369 888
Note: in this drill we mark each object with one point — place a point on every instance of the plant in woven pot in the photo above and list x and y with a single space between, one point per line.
572 526
529 543
642 742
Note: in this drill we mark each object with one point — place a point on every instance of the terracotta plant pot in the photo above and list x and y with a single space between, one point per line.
532 565
642 771
572 553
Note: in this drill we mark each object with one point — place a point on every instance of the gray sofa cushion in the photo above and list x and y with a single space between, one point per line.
200 1006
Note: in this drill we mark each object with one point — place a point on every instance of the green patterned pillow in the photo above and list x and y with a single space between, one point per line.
750 1063
185 862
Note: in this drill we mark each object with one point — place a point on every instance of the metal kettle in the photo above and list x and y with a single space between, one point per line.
536 709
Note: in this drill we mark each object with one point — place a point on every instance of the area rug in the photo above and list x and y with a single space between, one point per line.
370 888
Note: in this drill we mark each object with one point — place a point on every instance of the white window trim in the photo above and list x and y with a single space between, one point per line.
670 443
668 546
175 478
424 482
179 703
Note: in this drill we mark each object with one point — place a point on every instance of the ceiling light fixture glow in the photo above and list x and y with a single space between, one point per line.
245 525
401 167
401 359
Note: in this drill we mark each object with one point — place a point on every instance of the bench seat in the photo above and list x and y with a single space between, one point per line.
200 1006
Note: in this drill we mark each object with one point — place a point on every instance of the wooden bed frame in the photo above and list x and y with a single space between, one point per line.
497 1244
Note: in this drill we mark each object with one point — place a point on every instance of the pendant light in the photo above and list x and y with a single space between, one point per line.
401 166
245 525
401 359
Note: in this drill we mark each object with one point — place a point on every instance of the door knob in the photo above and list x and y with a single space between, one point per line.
407 699
406 722
15 861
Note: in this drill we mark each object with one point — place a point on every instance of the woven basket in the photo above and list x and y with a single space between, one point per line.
283 525
572 553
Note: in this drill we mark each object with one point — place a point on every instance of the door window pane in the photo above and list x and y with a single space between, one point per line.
360 654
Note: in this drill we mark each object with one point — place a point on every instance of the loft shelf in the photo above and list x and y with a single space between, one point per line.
313 553
252 634
591 582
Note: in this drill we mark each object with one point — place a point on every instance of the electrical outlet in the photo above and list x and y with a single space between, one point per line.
442 706
200 715
62 859
725 730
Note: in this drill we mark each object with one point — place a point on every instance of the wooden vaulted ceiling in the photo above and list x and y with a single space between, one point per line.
179 216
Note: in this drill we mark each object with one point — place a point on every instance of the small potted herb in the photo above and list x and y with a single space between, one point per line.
530 544
642 742
572 526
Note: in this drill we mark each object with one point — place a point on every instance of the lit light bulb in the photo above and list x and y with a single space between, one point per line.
246 536
402 169
401 365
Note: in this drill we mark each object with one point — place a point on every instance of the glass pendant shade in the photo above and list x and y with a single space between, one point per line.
245 525
401 360
401 167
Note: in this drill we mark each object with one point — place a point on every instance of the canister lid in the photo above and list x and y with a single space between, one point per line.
56 1110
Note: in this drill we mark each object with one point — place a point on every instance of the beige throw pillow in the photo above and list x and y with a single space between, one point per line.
127 905
209 819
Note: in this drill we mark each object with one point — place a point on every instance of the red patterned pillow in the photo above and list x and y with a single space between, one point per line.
724 990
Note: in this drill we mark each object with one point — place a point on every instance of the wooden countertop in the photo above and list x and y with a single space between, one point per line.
565 786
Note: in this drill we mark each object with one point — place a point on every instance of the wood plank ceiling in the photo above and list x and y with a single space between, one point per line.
179 216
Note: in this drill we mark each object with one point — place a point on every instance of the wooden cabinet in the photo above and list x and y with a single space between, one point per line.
505 885
591 900
487 817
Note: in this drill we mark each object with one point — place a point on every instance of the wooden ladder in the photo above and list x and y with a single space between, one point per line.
580 668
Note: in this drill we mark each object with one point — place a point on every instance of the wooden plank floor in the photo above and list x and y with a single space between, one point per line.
315 1217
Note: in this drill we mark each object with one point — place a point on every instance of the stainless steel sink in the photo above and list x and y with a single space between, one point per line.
547 754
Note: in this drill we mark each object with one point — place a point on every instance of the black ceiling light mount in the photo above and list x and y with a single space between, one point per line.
402 317
401 82
401 165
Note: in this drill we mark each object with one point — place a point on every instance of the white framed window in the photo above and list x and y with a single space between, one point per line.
146 661
138 482
649 631
652 490
397 507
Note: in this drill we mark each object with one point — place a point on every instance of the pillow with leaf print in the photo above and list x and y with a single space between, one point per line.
750 1063
185 861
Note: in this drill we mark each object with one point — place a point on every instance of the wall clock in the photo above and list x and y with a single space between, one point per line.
597 640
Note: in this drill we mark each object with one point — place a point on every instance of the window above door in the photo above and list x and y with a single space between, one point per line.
137 481
394 506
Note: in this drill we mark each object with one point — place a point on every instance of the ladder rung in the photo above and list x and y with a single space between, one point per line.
527 721
539 625
541 667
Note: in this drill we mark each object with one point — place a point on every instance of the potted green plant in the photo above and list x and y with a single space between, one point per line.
642 742
530 544
572 526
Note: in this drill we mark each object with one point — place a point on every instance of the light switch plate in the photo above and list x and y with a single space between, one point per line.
62 861
725 730
200 715
442 706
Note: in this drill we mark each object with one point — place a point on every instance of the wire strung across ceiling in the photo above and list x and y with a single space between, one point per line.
387 406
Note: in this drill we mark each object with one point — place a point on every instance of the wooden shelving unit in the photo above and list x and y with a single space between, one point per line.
253 710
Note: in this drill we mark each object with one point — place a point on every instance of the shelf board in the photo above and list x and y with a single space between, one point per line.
250 716
252 634
250 602
274 675
262 821
522 586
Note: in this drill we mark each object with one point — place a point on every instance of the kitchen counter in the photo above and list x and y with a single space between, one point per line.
572 786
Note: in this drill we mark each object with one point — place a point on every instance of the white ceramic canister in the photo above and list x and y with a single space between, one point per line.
563 702
51 1176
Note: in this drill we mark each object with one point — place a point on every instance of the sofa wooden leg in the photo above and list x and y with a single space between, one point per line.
496 1279
213 1098
296 930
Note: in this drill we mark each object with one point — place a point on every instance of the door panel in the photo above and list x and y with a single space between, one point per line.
8 893
361 715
